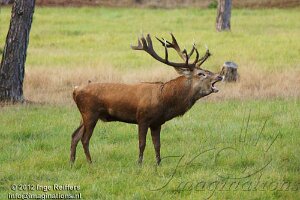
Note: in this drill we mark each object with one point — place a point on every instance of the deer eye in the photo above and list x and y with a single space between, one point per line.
201 74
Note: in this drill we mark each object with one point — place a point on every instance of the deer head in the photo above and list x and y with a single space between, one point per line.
202 81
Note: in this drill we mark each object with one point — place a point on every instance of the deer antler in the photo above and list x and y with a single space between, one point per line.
183 54
145 44
204 58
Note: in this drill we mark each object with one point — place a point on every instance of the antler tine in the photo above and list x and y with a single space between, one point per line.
197 56
165 45
192 51
184 52
146 45
163 41
149 41
174 43
160 41
144 42
203 59
138 47
175 46
166 52
169 43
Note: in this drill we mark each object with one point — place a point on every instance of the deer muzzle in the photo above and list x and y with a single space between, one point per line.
213 87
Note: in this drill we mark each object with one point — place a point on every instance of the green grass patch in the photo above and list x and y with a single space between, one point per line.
80 37
212 143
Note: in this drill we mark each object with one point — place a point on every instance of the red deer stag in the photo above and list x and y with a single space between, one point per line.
149 105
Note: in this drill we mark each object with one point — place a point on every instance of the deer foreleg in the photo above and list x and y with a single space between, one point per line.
142 140
155 133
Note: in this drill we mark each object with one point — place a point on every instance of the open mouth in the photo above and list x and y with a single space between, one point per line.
213 87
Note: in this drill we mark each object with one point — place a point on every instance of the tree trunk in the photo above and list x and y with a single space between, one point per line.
14 52
223 15
229 71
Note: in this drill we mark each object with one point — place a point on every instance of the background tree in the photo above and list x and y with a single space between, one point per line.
14 52
223 15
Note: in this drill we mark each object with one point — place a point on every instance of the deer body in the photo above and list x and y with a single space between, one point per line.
153 103
149 105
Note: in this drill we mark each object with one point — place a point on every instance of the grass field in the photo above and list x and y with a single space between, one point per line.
242 143
35 150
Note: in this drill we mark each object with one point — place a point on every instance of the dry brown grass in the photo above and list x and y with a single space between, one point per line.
254 84
55 85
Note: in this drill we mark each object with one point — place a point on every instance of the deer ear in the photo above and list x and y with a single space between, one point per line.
184 71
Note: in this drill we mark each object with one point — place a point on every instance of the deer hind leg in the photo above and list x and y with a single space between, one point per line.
155 133
89 122
142 140
76 136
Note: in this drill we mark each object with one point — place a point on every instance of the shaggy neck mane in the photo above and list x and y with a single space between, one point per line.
176 97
